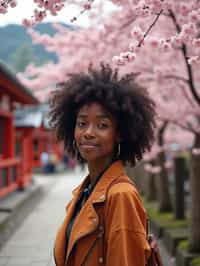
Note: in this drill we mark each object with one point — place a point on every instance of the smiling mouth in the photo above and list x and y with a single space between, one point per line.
88 146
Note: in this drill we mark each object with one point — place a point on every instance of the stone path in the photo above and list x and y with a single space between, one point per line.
167 260
32 243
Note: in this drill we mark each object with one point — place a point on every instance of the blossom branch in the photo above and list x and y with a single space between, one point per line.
175 122
176 78
161 132
4 4
130 56
188 66
150 27
86 7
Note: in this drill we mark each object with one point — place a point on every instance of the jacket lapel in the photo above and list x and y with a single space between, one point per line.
87 220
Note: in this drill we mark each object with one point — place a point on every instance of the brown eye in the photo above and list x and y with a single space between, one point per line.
102 126
80 124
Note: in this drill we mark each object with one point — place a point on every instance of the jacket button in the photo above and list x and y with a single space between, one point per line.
100 260
100 235
94 220
102 197
101 228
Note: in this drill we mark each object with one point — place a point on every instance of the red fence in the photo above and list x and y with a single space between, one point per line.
9 175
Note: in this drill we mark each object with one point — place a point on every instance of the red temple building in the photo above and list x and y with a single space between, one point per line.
33 122
13 166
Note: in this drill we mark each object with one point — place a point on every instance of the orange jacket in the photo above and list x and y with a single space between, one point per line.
124 223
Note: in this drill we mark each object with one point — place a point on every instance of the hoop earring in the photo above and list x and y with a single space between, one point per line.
75 148
119 150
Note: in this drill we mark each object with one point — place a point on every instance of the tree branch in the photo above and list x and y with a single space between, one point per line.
185 81
150 27
161 132
179 125
148 30
185 56
176 78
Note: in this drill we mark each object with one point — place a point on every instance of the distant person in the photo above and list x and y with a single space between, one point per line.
65 160
52 163
107 122
44 159
71 163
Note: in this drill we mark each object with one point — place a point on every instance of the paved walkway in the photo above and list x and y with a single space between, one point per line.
32 244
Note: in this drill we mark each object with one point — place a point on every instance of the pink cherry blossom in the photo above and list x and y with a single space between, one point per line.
128 56
148 167
118 60
196 43
27 23
156 170
194 16
196 151
153 42
176 41
13 3
137 33
3 10
194 60
169 165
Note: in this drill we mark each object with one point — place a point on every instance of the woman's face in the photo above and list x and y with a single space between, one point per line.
95 133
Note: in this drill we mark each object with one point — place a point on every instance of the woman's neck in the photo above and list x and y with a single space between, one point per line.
96 167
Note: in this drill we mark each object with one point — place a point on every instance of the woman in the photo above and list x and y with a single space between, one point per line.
107 122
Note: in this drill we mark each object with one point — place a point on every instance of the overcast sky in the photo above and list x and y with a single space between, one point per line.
24 9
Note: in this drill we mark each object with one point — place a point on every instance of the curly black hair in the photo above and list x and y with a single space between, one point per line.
128 102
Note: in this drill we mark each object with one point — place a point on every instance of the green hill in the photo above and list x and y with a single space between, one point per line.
17 50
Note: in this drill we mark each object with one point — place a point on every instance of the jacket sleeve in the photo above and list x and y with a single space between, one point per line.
125 222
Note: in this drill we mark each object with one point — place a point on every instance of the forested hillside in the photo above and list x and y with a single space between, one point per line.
17 50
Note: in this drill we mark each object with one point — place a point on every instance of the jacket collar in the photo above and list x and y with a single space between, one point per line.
115 170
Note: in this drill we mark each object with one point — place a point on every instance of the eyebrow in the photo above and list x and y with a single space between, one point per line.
98 116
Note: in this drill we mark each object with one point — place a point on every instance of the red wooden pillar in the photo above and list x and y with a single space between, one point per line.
11 93
36 148
26 153
9 165
8 137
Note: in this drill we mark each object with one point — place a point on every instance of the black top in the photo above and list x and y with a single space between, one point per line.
84 195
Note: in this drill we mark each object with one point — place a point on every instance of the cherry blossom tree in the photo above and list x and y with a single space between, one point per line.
6 4
157 39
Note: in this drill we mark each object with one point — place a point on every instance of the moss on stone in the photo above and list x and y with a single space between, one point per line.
195 262
164 219
177 232
184 244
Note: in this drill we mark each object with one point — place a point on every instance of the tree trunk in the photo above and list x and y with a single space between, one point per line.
194 236
151 188
163 182
151 192
137 175
163 186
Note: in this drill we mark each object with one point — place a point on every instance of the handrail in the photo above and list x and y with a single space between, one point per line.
9 162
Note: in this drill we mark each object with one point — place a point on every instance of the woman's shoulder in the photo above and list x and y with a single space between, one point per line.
124 189
123 198
123 185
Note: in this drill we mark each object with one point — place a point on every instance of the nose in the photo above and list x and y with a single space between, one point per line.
89 131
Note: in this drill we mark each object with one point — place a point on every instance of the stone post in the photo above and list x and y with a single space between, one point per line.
179 187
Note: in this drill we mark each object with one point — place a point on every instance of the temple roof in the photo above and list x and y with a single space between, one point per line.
12 86
34 116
